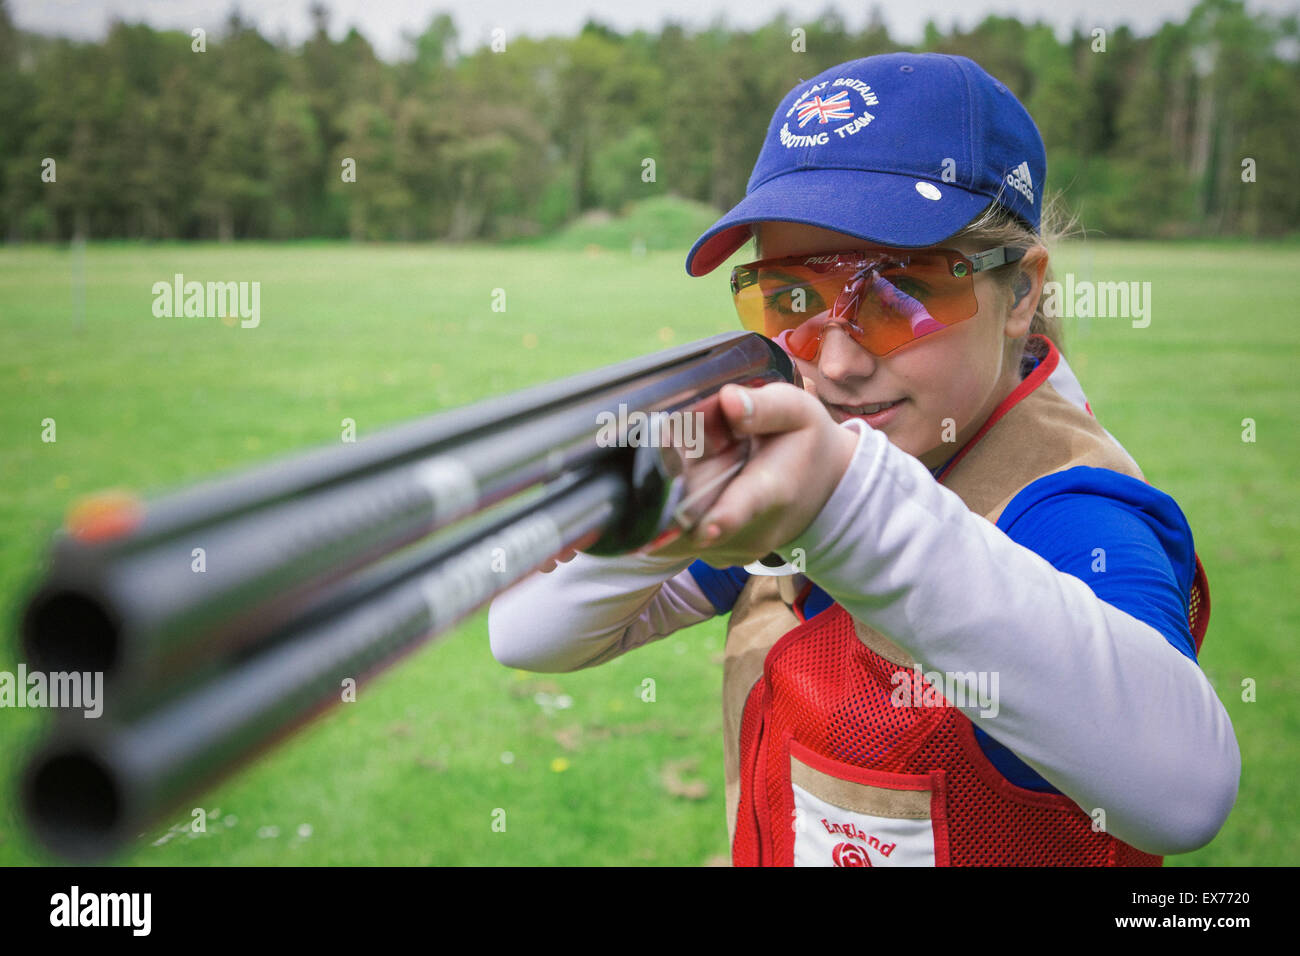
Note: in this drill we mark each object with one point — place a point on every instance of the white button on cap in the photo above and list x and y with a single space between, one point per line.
928 190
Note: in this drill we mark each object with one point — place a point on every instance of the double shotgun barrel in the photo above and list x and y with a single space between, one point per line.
223 616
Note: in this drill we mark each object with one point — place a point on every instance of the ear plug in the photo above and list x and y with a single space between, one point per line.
1021 289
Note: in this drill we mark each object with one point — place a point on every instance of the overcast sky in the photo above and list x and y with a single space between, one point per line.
385 21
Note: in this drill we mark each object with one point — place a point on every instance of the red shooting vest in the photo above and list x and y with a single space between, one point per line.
824 769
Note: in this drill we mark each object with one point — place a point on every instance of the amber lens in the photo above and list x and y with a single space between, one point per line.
883 301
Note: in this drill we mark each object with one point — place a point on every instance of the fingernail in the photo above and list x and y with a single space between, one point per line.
747 400
711 534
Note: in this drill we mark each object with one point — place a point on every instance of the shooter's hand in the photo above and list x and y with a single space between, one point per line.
798 457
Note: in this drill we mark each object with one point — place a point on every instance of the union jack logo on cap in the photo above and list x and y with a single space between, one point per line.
836 107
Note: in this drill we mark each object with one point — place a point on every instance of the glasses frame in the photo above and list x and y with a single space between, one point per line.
979 262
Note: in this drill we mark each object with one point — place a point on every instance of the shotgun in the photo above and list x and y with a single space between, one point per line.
225 616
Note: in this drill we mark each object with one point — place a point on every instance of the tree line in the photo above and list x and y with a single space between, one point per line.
151 134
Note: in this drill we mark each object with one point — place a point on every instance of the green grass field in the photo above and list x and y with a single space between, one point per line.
413 771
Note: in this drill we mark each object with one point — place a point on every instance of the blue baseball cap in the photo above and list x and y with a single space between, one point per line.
901 149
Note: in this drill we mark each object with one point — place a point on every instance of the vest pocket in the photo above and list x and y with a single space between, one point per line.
849 816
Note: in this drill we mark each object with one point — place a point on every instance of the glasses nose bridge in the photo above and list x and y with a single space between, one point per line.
843 316
849 300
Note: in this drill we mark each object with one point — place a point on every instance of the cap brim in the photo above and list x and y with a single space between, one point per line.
882 208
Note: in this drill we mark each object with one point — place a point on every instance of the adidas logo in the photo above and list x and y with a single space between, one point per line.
1019 180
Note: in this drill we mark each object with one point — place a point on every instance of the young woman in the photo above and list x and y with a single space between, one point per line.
982 649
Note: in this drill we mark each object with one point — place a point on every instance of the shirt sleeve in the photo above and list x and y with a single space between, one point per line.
592 609
1131 545
1099 703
